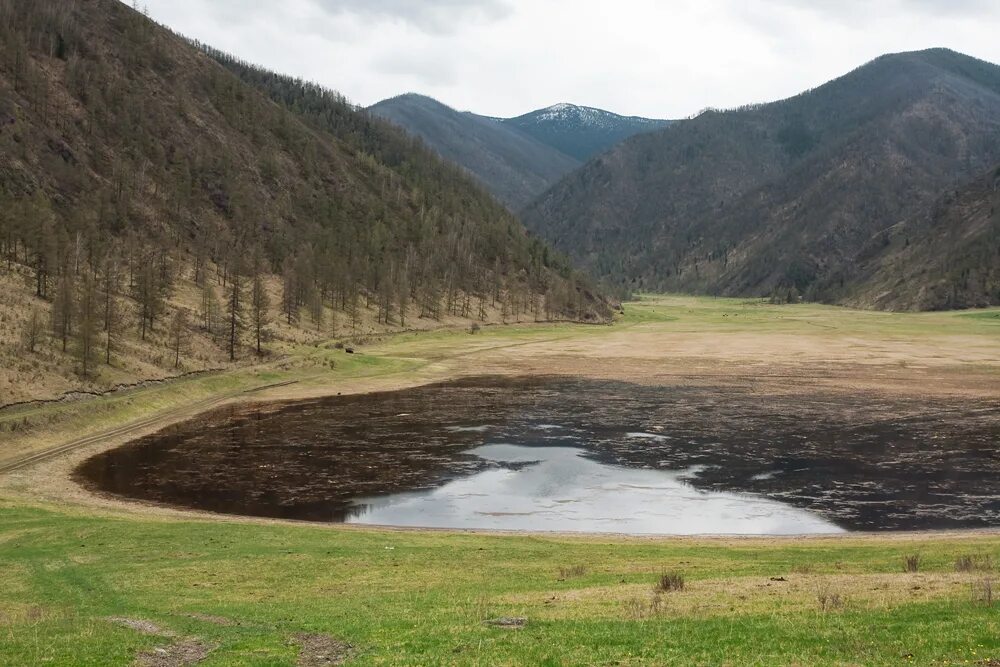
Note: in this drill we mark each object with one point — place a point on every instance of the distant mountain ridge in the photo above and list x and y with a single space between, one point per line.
517 159
512 165
798 196
582 132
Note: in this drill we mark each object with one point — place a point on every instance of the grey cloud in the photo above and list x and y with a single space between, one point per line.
433 15
424 68
847 9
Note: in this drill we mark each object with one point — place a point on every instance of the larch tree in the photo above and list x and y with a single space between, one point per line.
33 330
111 276
210 308
179 334
150 294
260 307
314 305
63 309
88 323
234 311
290 292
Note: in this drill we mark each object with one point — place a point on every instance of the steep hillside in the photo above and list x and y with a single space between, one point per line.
948 257
784 197
132 163
514 166
581 132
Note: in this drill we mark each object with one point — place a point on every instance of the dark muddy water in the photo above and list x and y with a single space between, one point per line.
579 455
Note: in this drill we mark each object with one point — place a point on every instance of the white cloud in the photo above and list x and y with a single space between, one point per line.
505 57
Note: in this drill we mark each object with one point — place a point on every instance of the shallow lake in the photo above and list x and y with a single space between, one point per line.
560 489
565 454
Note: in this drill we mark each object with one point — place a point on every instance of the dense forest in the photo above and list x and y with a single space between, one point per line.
129 157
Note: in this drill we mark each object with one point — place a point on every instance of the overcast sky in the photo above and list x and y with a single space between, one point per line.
655 58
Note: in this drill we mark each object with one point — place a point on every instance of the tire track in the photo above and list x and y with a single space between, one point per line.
169 415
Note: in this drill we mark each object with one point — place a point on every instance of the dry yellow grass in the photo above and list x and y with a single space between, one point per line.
50 373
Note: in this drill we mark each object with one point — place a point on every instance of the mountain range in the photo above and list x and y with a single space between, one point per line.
122 143
868 190
517 159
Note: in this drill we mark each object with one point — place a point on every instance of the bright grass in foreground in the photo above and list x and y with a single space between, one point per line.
247 591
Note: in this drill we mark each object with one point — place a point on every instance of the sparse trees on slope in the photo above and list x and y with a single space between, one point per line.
41 221
210 308
314 305
151 290
33 330
63 310
110 287
290 292
234 310
88 323
179 334
260 306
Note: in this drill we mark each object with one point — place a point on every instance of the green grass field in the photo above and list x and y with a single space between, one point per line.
246 590
412 598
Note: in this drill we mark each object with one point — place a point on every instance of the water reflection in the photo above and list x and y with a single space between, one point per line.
560 489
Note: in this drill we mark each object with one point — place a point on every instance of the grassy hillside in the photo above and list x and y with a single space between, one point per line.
786 197
513 165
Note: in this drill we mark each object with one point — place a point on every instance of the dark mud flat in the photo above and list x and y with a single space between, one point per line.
856 463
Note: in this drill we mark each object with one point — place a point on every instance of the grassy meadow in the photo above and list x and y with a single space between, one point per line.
93 585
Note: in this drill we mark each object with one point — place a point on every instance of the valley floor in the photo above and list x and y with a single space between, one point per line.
233 591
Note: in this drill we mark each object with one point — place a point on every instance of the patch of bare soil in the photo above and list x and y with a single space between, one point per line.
140 625
509 622
317 650
181 654
214 620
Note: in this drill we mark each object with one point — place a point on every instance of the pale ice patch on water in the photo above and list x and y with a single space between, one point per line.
641 435
482 428
560 489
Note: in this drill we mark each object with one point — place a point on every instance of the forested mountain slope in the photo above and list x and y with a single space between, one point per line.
130 159
517 159
514 166
786 198
947 257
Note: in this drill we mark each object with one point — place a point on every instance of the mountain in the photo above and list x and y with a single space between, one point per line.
511 164
787 197
951 253
581 132
517 159
123 144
